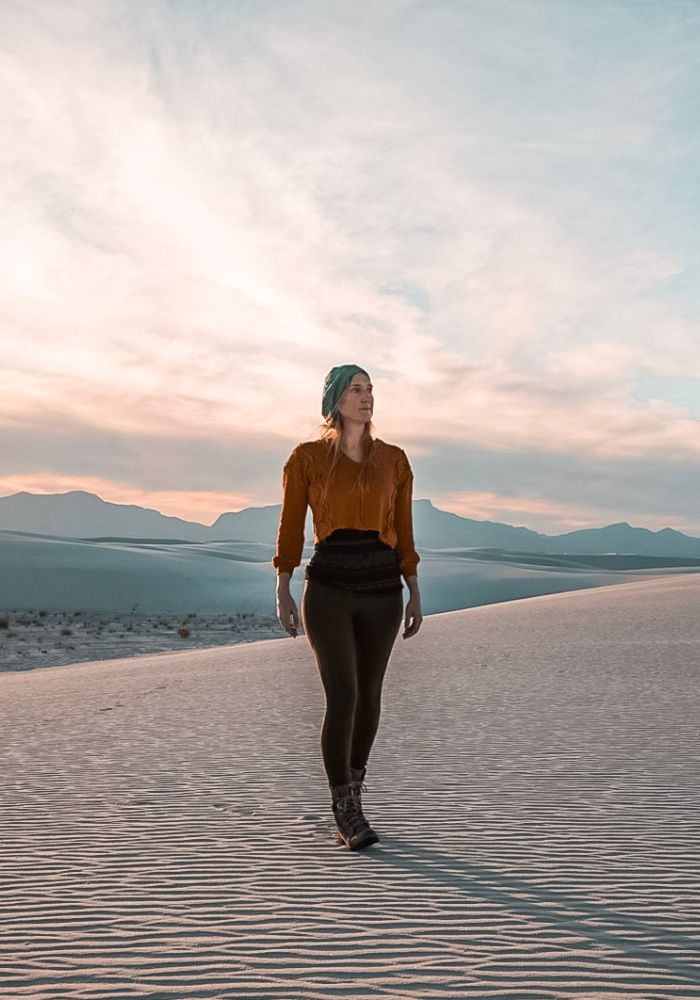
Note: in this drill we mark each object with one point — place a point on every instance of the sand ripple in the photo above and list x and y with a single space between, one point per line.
167 830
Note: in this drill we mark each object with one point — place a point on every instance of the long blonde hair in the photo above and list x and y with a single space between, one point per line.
331 431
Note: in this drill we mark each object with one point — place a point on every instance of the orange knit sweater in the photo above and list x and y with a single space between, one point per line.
386 508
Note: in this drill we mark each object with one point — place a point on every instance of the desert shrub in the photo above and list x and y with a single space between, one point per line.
66 631
183 632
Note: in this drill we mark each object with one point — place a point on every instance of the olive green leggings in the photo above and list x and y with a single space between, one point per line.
352 636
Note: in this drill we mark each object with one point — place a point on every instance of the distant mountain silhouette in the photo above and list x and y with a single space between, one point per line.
78 514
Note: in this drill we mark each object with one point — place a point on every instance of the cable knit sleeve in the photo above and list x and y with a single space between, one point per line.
404 518
290 534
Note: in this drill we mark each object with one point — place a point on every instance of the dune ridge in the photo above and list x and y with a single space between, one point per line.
69 600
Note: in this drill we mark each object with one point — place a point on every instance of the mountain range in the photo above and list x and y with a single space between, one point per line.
79 514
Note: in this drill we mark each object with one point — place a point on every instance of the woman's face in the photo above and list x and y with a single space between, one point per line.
357 402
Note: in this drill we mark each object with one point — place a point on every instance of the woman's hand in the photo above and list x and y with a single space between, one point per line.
287 612
414 615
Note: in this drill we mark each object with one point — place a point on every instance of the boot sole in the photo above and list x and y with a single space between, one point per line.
357 845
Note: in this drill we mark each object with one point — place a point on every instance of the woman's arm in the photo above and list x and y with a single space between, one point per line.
290 534
403 520
413 614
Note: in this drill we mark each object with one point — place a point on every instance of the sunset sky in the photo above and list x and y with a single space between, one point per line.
491 205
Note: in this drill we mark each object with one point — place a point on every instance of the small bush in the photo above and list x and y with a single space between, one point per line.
183 632
66 631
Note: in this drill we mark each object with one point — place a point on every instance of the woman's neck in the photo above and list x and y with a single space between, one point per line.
351 441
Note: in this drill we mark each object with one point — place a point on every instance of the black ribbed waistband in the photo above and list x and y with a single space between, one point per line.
355 560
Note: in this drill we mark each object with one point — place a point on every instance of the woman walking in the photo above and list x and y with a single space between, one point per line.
360 490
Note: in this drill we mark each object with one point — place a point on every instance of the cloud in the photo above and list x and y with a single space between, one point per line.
210 205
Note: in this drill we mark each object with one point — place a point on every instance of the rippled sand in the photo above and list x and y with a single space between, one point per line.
167 828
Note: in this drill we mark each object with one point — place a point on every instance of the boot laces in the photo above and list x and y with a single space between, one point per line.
356 821
352 815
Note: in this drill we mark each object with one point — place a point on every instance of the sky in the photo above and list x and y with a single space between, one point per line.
490 205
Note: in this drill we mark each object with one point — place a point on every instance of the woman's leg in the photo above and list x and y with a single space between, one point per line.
376 623
326 615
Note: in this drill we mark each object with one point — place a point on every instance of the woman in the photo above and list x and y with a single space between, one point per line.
360 492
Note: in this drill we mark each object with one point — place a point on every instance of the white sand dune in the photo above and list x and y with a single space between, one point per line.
218 577
167 829
145 576
65 600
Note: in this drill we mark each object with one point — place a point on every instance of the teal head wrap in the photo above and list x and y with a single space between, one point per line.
337 381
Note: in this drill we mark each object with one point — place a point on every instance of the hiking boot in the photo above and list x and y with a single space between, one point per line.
358 786
353 829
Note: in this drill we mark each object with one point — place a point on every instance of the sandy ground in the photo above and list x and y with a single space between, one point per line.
167 829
